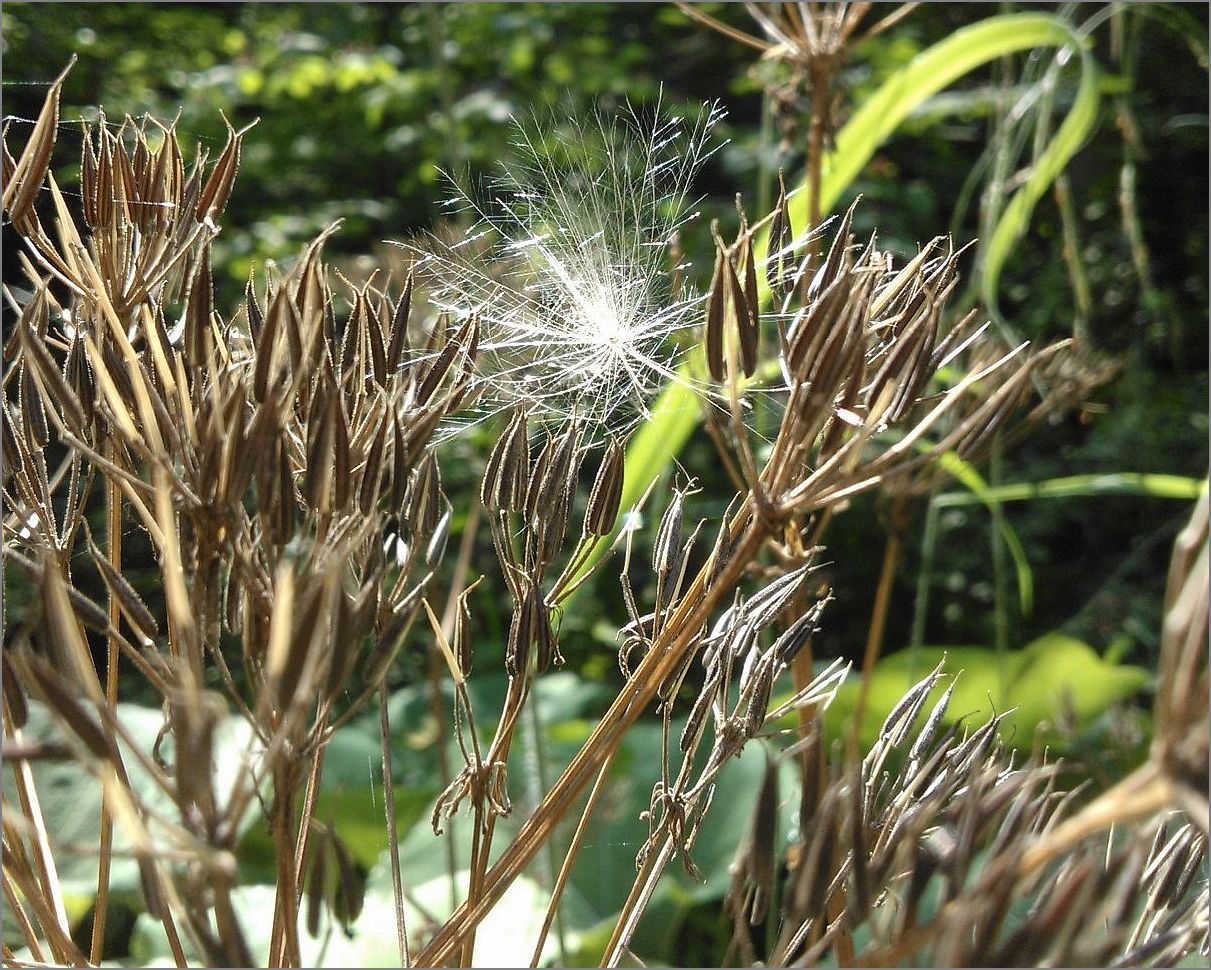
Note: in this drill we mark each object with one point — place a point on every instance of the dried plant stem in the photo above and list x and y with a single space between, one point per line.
397 883
665 657
1144 792
479 837
437 709
929 545
27 928
539 779
878 618
821 77
566 869
637 901
44 862
484 820
113 542
284 948
308 812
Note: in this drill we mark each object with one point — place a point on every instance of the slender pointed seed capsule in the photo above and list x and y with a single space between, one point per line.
750 322
129 601
715 306
602 511
399 327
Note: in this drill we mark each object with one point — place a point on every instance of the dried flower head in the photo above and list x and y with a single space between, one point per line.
568 265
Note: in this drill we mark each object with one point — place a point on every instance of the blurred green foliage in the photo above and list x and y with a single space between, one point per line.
362 106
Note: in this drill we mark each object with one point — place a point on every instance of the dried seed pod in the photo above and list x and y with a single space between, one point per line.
923 740
399 327
507 473
351 885
194 716
423 501
24 181
441 366
284 505
435 548
54 388
702 704
48 682
768 602
79 376
788 645
521 631
838 255
981 427
780 268
551 482
749 321
372 470
350 627
715 307
266 344
741 311
602 510
760 860
760 686
378 352
900 719
114 369
290 322
341 476
214 195
129 602
253 310
667 550
321 434
316 890
400 465
199 311
88 180
351 338
33 416
545 639
15 457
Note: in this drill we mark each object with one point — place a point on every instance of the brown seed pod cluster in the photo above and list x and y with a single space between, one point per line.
279 462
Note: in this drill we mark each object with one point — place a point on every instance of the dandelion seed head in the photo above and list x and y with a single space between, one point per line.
568 267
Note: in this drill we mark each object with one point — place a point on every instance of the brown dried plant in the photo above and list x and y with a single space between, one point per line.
281 462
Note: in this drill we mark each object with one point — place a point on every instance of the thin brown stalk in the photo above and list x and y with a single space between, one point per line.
597 750
113 540
284 945
878 617
636 903
397 882
565 870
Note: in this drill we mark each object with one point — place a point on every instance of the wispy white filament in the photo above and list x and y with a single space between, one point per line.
568 267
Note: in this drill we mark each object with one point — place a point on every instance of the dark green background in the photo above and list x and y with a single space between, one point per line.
361 106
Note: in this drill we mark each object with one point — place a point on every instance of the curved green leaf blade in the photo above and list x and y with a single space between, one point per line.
676 412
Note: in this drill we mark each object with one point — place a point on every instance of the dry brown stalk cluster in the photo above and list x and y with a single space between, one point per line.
266 455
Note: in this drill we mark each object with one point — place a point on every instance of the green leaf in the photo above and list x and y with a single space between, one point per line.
1071 135
1042 681
653 450
930 72
70 796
